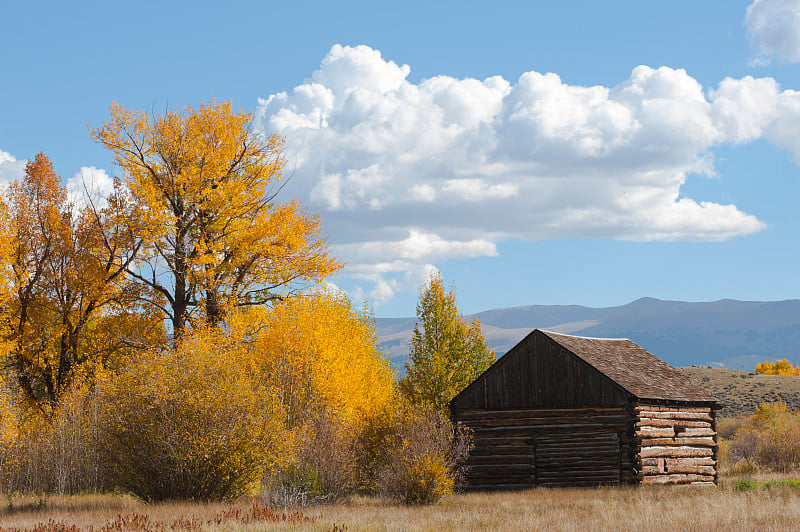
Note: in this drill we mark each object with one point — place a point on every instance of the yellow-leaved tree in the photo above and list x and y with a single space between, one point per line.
213 236
69 304
320 358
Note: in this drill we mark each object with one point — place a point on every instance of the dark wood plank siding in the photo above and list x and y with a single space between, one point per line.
538 372
521 448
578 458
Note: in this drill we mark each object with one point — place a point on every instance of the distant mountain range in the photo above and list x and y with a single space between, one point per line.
726 333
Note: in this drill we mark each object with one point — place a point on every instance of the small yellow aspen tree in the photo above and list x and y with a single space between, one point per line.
447 351
214 236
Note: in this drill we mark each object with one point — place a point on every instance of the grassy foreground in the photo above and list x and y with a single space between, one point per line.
642 508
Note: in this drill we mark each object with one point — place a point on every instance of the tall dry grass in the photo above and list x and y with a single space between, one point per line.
651 508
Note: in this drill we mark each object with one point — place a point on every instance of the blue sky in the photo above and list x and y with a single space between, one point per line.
430 134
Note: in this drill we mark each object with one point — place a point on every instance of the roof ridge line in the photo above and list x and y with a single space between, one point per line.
583 337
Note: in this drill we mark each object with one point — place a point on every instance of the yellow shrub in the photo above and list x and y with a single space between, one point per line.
424 480
779 446
190 424
771 440
411 452
769 414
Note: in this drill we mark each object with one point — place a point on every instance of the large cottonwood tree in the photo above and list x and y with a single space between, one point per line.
214 237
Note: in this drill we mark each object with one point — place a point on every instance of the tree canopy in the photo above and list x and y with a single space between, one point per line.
213 237
174 339
70 305
447 351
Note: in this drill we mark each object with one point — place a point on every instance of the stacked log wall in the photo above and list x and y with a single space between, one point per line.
677 444
521 448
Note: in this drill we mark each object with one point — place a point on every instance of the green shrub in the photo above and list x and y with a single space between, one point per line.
190 424
745 484
789 482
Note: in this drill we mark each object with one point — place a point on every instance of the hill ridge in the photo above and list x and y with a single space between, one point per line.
724 333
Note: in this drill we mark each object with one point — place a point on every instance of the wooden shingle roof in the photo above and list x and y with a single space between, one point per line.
633 368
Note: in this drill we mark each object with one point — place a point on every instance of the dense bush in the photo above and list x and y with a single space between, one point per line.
414 453
323 466
189 424
420 478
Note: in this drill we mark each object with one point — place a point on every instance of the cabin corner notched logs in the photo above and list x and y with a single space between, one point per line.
560 410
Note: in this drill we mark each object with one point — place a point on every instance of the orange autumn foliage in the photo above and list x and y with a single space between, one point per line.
262 370
779 367
70 307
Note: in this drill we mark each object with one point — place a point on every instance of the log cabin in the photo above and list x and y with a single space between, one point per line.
560 410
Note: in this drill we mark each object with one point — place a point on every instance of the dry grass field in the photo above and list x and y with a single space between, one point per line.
629 508
740 392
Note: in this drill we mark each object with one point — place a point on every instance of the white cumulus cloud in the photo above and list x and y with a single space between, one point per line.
417 246
10 168
774 30
90 184
406 174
